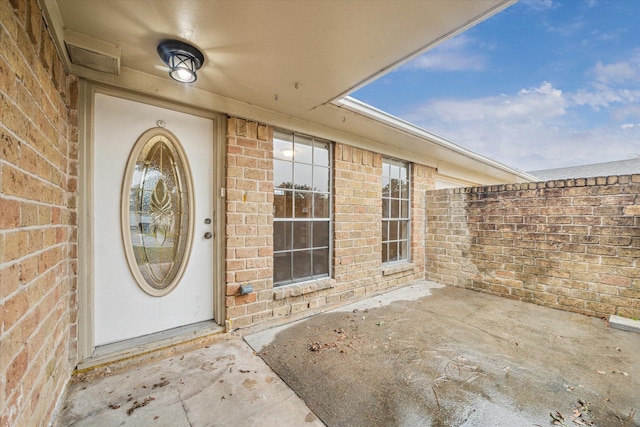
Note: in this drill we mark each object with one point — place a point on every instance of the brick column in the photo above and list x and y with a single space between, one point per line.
422 180
357 218
249 222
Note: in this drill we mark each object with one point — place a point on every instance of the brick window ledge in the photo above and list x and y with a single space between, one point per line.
304 288
387 271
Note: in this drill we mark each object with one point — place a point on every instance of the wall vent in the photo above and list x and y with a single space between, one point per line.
92 53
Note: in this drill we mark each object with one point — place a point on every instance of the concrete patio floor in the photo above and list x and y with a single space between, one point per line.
224 384
422 355
427 355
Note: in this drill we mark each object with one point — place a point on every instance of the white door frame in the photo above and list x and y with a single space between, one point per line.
85 283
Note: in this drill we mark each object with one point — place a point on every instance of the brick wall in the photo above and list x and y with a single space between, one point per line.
38 180
570 244
357 211
249 221
357 214
357 224
422 180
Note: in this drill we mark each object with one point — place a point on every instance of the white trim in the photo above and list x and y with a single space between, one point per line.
53 18
149 343
219 218
85 224
366 110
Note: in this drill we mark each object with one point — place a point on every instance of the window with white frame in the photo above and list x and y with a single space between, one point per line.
395 210
301 208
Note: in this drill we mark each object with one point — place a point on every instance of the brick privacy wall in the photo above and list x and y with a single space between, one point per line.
38 180
570 244
357 266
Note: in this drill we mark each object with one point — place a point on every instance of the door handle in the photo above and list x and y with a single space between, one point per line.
208 235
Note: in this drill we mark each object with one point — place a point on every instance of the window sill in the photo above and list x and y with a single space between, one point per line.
297 289
393 269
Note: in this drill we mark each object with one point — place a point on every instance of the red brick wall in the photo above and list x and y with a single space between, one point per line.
38 181
571 244
357 210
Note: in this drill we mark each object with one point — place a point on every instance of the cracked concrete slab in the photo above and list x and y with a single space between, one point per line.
225 384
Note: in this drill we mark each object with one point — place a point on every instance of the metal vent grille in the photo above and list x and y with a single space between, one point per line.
92 53
94 60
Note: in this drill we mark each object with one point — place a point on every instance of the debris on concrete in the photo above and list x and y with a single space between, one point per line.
138 404
457 358
163 382
199 388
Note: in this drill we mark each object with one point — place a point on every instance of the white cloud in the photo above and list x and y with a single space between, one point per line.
539 5
618 72
547 125
457 54
614 83
529 105
626 112
604 97
607 37
568 29
530 130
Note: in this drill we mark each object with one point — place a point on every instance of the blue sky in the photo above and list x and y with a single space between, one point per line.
542 84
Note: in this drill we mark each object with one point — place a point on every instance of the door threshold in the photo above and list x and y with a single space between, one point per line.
136 347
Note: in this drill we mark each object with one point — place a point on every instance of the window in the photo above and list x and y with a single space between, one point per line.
157 210
395 210
301 208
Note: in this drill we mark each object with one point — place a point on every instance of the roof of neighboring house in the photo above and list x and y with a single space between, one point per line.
620 167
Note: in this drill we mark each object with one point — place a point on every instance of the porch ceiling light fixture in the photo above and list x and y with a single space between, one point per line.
182 58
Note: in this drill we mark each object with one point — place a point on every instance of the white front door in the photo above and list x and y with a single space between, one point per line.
122 309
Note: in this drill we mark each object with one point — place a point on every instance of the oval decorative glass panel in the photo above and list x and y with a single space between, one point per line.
157 210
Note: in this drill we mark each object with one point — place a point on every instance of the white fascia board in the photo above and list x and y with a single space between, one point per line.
403 126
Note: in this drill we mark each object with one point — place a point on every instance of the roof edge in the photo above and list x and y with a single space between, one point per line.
386 119
390 67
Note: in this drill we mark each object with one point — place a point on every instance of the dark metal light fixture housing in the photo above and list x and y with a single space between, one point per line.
182 58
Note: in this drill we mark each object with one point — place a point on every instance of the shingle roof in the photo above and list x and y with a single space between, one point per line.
620 167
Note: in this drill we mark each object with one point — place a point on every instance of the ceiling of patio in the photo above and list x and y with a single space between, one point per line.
286 63
305 53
